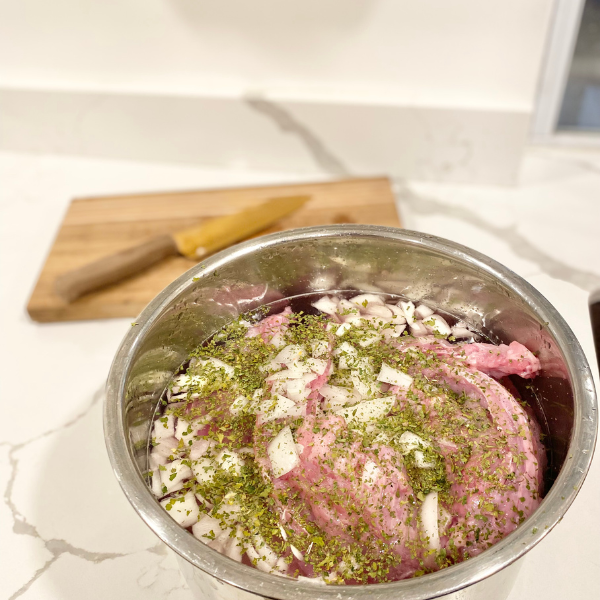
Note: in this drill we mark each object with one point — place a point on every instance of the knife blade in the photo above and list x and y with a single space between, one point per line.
194 242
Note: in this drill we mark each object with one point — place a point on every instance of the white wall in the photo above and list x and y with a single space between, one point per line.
463 67
448 52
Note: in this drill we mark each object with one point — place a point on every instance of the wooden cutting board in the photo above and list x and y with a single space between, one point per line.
95 227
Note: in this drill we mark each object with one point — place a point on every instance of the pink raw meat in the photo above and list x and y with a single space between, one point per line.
330 481
271 326
498 361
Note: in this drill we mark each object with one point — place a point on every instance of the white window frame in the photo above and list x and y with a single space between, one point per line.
553 79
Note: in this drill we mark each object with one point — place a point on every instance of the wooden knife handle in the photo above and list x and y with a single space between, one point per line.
113 268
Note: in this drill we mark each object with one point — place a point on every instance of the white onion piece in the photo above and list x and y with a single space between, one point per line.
319 348
327 305
264 549
156 459
233 548
207 526
429 520
184 429
362 387
204 470
203 501
184 509
379 310
394 376
164 427
347 354
296 552
279 408
200 447
316 580
408 308
317 365
215 363
230 461
288 356
398 313
410 441
348 309
298 390
461 332
343 328
368 298
390 333
284 534
422 311
281 567
437 324
283 453
256 560
156 484
371 473
417 329
166 446
337 397
175 475
278 340
238 405
367 411
420 461
331 326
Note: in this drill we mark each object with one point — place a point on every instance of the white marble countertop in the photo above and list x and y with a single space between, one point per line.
67 531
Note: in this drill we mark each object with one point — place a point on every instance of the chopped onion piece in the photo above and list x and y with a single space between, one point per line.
394 332
207 529
156 484
296 552
238 405
368 298
264 550
371 473
164 427
408 308
461 332
398 313
317 365
410 441
175 475
379 310
348 355
233 548
341 330
319 348
417 329
229 460
367 411
200 447
337 397
394 376
429 520
437 324
183 509
290 355
184 429
283 453
422 311
420 461
348 309
166 446
327 305
298 390
204 470
279 408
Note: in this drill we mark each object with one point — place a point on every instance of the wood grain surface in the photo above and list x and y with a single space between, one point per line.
96 227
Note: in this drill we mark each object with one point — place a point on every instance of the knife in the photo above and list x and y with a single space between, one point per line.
194 242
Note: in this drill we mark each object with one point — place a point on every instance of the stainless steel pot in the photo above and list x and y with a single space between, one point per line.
421 267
